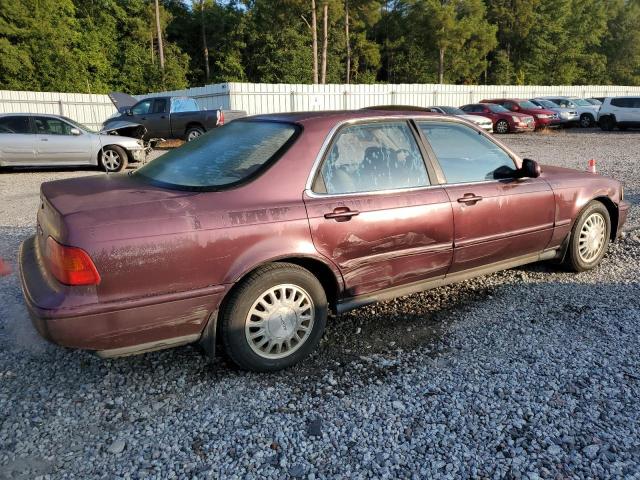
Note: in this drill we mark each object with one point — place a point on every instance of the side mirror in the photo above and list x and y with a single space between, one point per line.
75 131
530 169
515 108
128 112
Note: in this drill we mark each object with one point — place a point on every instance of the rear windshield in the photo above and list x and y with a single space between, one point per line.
222 158
453 111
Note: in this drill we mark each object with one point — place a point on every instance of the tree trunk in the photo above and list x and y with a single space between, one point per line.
325 38
348 40
441 66
314 37
205 48
159 33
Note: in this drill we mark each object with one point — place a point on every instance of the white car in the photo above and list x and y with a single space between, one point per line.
587 112
621 112
483 122
30 139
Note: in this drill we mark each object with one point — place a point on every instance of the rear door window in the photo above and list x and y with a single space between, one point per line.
466 155
224 157
373 157
160 105
15 124
626 102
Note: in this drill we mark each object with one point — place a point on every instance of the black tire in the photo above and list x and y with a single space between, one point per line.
113 158
234 316
193 132
586 120
607 123
574 259
502 126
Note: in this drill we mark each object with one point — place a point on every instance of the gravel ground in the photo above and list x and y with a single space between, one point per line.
529 373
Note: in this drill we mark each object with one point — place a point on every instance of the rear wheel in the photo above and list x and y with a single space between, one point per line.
607 123
193 133
274 318
113 159
589 237
502 126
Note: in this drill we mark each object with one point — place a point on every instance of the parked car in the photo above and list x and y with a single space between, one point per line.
169 117
587 112
38 139
621 112
482 122
504 121
253 233
567 116
543 118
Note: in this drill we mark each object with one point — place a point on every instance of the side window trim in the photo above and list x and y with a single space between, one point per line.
317 180
435 158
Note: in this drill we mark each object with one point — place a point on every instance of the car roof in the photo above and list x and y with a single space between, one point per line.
336 116
22 114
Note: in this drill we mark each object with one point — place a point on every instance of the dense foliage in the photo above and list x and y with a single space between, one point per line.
103 45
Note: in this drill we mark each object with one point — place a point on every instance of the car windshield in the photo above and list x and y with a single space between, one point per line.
222 158
78 125
496 108
527 104
580 102
547 103
594 101
452 111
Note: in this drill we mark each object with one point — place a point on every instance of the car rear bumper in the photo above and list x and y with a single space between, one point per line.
74 317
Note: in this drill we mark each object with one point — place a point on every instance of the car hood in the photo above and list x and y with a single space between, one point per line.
122 101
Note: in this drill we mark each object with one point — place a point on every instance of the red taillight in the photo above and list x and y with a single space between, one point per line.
221 117
71 265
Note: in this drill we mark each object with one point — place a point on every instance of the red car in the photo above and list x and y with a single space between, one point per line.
543 118
250 235
504 121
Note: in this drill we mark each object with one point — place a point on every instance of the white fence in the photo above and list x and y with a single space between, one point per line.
90 110
257 98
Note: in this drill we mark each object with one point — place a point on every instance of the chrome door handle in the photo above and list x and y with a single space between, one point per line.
44 139
470 198
341 214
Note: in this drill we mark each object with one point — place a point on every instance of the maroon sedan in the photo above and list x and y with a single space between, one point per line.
543 118
504 121
253 233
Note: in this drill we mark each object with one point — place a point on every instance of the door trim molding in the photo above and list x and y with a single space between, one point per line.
350 303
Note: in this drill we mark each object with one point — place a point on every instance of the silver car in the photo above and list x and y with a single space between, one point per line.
484 123
28 139
567 116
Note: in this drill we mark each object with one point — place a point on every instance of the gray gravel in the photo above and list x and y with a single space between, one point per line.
529 373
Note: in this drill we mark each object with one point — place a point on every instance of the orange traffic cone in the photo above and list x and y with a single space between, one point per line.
591 168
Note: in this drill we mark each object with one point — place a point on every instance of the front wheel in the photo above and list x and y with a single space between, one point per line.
586 120
193 133
274 318
589 237
502 126
113 159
